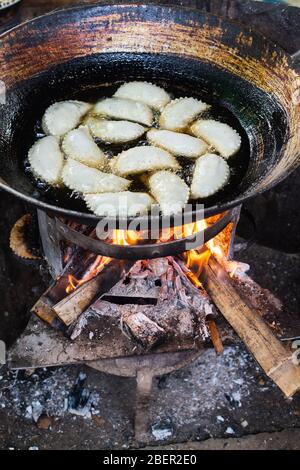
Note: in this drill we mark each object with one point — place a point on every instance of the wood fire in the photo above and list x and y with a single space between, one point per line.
167 303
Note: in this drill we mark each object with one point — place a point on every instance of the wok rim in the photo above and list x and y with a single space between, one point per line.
92 218
71 214
87 6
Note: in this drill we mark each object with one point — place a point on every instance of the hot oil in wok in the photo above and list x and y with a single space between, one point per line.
238 163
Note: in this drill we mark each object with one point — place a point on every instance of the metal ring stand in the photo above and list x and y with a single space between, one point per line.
142 251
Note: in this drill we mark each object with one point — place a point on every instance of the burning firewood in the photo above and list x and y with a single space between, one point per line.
181 308
195 296
269 352
80 264
162 304
82 267
72 306
43 309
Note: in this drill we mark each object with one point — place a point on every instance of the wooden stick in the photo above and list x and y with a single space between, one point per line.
275 360
71 307
215 336
43 309
77 267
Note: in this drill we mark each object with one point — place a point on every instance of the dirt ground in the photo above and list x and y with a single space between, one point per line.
288 439
220 402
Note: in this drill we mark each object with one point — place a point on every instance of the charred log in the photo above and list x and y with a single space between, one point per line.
71 307
145 331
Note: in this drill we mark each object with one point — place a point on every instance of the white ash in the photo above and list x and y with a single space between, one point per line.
34 411
161 434
239 381
215 384
229 430
79 326
162 429
236 397
46 391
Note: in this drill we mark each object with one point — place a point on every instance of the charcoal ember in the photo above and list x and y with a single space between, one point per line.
136 268
175 321
186 323
158 266
79 395
138 282
139 271
180 310
147 332
154 301
82 401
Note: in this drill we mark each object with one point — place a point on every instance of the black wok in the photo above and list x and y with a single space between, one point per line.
83 51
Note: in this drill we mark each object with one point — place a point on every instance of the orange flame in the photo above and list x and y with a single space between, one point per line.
214 248
188 230
195 259
119 237
73 284
97 266
125 237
